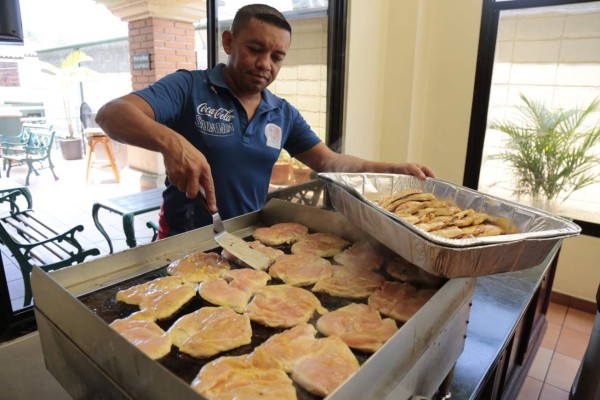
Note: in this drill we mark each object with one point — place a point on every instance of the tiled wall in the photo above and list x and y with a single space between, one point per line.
553 57
303 79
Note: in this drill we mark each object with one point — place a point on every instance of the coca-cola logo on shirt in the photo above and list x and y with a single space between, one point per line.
217 113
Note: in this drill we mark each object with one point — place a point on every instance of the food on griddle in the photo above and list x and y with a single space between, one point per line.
350 282
272 252
238 378
404 271
321 244
133 295
360 326
322 371
164 304
218 292
283 306
161 297
282 233
440 218
399 300
145 335
199 266
246 279
210 331
361 254
286 349
300 269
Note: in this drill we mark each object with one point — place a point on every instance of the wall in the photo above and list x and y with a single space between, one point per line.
425 79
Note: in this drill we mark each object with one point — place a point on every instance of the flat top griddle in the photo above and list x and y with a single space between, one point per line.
104 304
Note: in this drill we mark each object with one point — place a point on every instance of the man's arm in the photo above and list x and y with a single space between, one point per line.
322 159
130 120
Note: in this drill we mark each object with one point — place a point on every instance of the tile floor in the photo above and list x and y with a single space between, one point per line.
557 361
68 202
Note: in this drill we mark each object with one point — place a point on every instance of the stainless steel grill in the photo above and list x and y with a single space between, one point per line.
92 361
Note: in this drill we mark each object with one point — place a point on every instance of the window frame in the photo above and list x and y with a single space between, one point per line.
490 17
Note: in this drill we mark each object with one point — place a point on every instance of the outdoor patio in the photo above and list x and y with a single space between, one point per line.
68 201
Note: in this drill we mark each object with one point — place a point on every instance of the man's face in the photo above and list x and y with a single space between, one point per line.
256 54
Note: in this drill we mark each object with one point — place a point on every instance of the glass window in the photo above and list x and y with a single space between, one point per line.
302 81
549 56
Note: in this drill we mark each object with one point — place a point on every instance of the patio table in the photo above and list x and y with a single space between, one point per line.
128 207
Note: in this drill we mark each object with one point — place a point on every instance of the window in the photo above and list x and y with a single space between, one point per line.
549 54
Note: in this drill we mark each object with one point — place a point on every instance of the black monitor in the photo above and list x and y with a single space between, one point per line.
11 28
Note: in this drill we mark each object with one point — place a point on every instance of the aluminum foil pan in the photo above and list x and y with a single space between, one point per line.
533 232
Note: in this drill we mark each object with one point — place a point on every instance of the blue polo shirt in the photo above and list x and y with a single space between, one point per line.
200 106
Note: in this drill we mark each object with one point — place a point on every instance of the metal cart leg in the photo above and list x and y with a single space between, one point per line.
443 391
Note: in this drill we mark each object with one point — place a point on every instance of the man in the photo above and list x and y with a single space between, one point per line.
221 130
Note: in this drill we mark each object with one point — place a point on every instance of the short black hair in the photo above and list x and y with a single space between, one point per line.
261 12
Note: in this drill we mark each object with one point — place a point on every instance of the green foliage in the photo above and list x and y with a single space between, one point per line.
68 74
551 152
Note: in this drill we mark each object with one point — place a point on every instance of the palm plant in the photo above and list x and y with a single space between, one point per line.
68 74
551 152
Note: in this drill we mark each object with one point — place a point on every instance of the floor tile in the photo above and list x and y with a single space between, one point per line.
530 390
550 392
540 364
579 320
556 313
562 371
572 343
551 336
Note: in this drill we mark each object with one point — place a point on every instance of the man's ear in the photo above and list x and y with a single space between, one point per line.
226 39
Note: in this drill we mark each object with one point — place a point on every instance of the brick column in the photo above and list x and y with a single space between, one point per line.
164 29
170 45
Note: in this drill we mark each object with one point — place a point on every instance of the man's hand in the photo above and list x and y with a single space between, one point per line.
188 169
419 170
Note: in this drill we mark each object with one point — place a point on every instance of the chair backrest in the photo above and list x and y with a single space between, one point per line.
85 115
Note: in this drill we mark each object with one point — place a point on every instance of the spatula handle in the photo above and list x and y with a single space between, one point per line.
218 226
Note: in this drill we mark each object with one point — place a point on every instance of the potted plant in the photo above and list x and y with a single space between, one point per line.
301 172
551 152
282 169
67 76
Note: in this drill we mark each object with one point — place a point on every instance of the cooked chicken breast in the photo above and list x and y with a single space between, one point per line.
404 271
145 335
199 266
237 378
359 326
282 233
351 282
246 279
219 292
361 254
283 306
134 294
320 244
324 370
399 300
286 349
210 331
300 269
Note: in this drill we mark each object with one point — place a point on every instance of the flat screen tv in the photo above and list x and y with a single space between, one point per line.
11 28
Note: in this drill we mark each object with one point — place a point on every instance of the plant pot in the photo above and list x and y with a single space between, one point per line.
72 149
302 175
281 173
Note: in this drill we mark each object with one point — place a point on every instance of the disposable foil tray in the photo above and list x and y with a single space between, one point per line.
532 232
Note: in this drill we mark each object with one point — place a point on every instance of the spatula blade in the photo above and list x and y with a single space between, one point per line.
243 251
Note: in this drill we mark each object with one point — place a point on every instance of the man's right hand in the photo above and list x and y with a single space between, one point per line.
188 169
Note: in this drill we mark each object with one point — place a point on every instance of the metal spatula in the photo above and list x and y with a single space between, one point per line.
236 245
